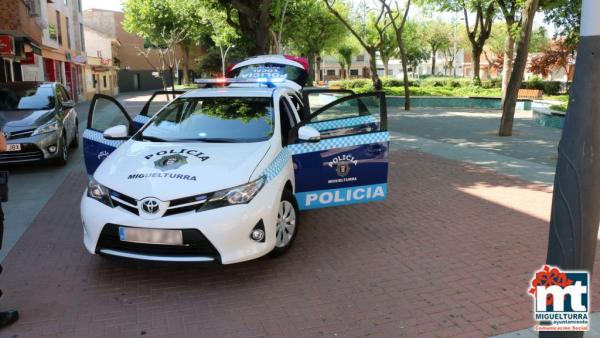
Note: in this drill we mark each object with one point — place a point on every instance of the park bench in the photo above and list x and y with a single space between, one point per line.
530 94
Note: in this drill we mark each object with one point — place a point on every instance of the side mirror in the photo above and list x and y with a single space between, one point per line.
119 132
309 134
68 104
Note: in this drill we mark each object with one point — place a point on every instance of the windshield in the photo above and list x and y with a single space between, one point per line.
212 119
26 96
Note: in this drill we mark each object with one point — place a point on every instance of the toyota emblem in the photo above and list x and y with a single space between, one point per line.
150 205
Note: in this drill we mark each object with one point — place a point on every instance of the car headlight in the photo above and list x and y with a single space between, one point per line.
236 195
99 192
46 128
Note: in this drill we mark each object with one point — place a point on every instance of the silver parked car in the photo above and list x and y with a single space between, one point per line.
39 122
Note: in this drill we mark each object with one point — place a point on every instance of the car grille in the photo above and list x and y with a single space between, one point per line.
176 206
19 134
194 244
28 152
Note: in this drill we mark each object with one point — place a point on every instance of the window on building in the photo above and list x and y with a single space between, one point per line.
360 57
330 72
94 80
353 72
68 34
104 81
66 2
79 8
81 38
58 28
390 72
136 81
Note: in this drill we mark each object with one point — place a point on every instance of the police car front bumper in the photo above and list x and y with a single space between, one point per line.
227 229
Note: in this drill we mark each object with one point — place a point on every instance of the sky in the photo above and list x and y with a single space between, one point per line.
116 5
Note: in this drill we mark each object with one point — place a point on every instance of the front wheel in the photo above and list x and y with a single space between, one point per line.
287 224
63 151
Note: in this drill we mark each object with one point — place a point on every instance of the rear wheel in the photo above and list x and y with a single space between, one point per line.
287 224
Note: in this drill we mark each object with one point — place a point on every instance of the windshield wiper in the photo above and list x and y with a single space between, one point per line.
152 138
213 140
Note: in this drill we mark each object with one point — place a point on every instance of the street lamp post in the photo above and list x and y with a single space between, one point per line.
224 57
576 201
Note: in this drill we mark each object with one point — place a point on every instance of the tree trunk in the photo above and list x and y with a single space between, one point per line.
516 78
405 75
386 66
172 78
477 64
433 54
311 74
186 63
509 51
348 71
255 23
318 76
373 68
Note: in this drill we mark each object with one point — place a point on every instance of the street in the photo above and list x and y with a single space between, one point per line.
354 271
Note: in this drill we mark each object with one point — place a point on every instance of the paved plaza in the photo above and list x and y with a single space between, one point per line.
449 254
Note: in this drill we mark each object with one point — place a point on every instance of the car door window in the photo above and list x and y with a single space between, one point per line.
158 100
106 113
288 120
350 115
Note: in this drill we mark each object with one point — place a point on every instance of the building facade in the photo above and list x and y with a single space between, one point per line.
63 45
136 72
21 26
101 71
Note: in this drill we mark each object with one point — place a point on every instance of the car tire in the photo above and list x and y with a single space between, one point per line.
75 141
63 150
286 227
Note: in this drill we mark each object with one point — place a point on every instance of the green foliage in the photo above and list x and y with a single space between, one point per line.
559 107
565 15
155 20
548 87
413 36
309 28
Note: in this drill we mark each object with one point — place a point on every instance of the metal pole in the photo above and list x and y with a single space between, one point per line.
575 205
455 37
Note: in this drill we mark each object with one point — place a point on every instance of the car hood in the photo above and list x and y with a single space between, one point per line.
14 119
167 171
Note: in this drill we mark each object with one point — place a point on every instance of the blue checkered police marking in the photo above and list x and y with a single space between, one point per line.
141 119
339 142
342 123
97 136
278 164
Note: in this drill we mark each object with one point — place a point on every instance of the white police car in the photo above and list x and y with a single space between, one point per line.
220 174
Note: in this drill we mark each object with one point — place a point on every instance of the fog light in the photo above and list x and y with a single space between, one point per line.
257 235
52 149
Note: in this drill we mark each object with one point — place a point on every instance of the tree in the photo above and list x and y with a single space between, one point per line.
371 41
159 22
477 34
509 101
540 41
511 11
398 23
252 19
560 55
388 49
311 30
414 49
345 53
437 35
565 16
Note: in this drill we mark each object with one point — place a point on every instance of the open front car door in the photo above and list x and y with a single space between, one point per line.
105 113
349 164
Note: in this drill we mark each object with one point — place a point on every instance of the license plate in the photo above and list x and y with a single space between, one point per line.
151 236
13 147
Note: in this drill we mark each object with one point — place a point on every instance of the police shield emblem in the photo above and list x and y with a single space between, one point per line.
170 162
342 169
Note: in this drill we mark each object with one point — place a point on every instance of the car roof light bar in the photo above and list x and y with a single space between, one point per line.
269 82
